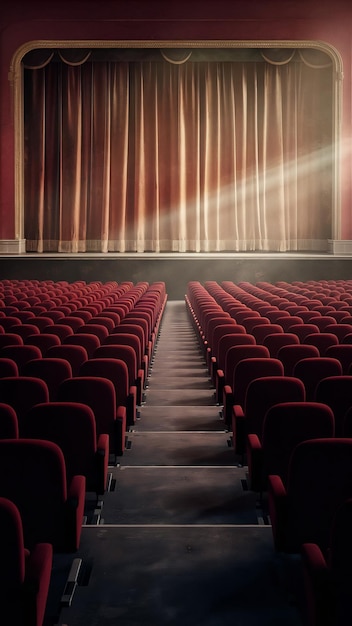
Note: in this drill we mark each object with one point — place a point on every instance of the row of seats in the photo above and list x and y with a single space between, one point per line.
74 361
284 378
86 375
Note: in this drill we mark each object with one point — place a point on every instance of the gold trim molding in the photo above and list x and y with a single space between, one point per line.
16 73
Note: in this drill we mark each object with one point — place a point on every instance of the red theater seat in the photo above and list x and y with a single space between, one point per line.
285 426
318 482
262 393
24 575
71 425
33 476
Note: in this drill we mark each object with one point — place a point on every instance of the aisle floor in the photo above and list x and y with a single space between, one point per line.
180 539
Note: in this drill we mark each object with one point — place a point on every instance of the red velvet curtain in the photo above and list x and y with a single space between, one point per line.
156 156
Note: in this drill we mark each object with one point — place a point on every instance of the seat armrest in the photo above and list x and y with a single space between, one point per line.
318 603
75 510
255 463
37 579
219 384
140 385
238 429
132 405
227 401
120 430
213 368
277 504
102 462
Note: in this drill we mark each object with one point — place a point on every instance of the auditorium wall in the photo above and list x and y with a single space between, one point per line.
182 21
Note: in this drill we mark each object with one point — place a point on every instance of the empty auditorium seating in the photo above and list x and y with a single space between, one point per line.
24 574
319 480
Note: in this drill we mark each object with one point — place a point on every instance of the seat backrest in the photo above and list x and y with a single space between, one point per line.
22 392
72 321
336 392
10 339
8 422
71 425
313 369
60 329
323 321
133 329
51 370
12 571
275 341
25 329
264 392
8 367
249 369
250 322
260 332
112 369
340 544
99 330
287 322
75 355
302 330
43 341
100 320
342 352
287 424
230 340
9 322
99 394
340 330
126 339
90 342
21 354
291 354
33 476
123 352
235 354
319 481
322 341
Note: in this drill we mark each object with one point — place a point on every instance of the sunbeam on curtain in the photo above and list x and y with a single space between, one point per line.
136 156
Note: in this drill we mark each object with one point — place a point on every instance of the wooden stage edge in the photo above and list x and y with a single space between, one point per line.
177 269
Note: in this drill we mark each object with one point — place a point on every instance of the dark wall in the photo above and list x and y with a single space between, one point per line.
177 273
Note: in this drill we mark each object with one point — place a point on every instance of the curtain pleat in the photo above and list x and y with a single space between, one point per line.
199 157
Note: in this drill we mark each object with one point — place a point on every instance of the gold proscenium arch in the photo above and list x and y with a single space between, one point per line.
16 79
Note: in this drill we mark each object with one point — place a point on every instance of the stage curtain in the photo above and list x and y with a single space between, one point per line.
198 156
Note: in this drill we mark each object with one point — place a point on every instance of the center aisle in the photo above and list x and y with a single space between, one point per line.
180 541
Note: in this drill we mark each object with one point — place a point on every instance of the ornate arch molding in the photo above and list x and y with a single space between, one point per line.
16 81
